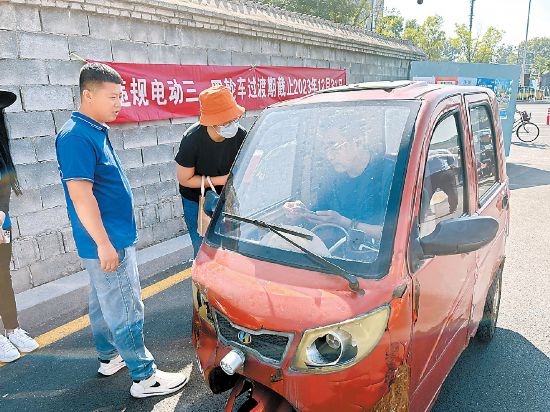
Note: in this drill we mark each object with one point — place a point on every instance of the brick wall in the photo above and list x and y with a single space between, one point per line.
36 39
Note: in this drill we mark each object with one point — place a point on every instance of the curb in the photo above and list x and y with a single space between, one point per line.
46 306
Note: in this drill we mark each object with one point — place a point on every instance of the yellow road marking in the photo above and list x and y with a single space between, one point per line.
76 325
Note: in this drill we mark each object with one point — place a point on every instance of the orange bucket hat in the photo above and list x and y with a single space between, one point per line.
218 106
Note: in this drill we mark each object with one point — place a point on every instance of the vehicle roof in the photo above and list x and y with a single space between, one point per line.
396 90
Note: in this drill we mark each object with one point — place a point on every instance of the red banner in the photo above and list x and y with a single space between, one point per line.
166 91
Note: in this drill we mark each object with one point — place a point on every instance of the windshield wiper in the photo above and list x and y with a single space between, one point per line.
352 279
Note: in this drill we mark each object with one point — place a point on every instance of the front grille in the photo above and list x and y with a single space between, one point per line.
271 346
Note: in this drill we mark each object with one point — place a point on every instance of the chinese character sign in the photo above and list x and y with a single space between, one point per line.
164 91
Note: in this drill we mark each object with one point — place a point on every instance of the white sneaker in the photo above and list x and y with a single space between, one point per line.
8 352
112 366
160 383
22 341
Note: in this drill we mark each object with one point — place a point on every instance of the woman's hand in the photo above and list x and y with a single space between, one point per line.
219 180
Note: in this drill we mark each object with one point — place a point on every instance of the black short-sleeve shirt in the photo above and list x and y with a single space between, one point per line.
209 158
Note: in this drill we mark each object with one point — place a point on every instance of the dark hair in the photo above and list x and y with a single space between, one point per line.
7 167
92 74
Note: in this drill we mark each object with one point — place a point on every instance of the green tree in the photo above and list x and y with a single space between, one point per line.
506 54
390 24
486 46
351 12
476 49
541 65
429 36
538 55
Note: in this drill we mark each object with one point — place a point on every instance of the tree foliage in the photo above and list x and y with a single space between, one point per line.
538 55
351 12
390 24
486 47
429 36
476 49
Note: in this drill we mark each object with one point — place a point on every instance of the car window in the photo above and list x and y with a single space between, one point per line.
444 178
484 145
318 169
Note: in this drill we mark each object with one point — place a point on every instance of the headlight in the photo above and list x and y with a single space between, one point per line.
200 301
342 345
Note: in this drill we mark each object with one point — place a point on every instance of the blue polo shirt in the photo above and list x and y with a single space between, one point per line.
84 152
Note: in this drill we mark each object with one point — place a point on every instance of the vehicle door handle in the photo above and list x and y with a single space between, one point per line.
505 201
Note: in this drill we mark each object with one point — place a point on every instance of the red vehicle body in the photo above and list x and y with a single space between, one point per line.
435 301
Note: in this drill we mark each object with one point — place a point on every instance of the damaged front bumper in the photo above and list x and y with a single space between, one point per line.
379 382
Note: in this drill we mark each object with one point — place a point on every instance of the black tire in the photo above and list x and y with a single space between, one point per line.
527 132
488 324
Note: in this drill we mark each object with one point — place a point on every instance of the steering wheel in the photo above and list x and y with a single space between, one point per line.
339 242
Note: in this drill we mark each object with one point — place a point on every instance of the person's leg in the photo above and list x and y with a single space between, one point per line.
119 296
8 309
190 215
103 337
448 185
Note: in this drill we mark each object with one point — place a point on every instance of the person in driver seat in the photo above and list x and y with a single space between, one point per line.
355 194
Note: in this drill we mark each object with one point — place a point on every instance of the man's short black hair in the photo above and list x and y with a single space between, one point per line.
92 74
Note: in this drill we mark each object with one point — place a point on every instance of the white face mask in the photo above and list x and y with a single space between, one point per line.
229 130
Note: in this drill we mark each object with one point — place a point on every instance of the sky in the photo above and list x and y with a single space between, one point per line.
507 15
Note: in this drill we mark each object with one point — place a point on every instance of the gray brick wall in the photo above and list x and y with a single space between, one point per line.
36 39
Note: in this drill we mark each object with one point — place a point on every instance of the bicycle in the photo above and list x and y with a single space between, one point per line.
526 131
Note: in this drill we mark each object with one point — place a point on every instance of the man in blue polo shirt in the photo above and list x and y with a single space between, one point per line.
100 205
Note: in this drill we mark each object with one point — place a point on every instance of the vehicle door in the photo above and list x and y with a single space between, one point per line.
443 284
492 191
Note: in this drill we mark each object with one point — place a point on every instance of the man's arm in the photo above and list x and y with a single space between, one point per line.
87 209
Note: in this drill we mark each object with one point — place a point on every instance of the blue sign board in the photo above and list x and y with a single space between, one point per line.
502 79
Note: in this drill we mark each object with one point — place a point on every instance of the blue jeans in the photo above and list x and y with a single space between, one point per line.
190 215
116 314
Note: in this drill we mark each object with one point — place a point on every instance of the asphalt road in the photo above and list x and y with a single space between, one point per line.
63 376
512 373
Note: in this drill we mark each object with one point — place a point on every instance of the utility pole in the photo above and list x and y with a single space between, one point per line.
523 71
471 26
373 22
471 14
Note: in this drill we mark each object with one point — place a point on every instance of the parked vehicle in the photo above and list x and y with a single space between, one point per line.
357 247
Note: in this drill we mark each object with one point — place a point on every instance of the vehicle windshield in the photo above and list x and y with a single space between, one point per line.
330 172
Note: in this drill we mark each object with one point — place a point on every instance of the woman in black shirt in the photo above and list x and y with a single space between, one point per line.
208 149
16 339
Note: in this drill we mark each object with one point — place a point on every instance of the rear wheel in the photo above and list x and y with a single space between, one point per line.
527 132
488 325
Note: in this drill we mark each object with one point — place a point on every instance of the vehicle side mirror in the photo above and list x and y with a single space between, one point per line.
460 235
210 202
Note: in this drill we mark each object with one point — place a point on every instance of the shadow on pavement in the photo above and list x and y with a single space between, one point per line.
522 176
509 374
532 145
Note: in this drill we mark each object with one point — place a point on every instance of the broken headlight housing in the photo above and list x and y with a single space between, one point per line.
339 346
200 302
